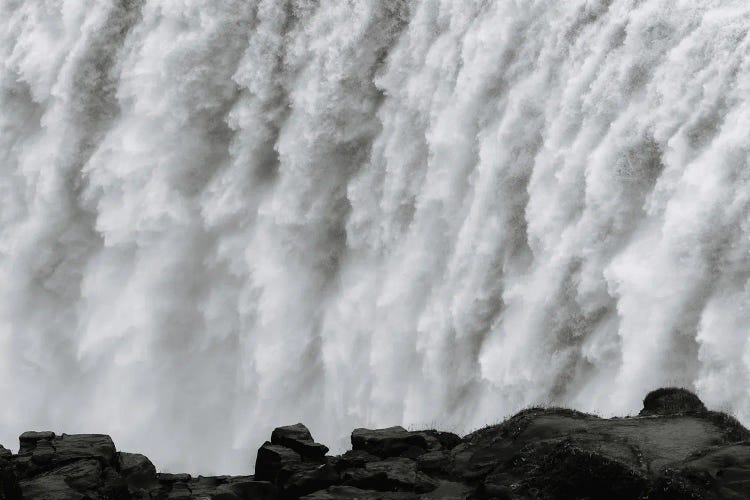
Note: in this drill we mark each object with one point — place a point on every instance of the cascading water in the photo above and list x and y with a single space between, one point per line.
223 216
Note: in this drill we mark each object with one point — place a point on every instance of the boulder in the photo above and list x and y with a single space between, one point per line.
28 440
671 401
439 440
390 442
137 470
300 479
78 446
271 458
298 438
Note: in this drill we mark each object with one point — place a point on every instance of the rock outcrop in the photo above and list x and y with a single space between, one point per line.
674 449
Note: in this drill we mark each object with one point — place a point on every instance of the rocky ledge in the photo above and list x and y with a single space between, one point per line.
674 449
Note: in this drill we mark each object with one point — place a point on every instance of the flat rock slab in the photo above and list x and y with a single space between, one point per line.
389 442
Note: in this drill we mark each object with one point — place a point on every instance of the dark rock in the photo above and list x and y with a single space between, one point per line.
78 446
352 493
437 463
676 450
42 453
446 440
723 470
670 401
114 486
9 487
79 479
211 487
298 438
451 490
137 470
394 474
231 488
28 440
412 452
390 442
180 491
567 471
354 459
271 458
49 488
81 475
300 479
168 478
249 489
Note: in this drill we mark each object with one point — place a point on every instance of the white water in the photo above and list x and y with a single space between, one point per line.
222 216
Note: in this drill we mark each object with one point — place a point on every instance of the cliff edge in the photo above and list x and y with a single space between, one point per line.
674 449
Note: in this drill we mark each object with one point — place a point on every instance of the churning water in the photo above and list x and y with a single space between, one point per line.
219 216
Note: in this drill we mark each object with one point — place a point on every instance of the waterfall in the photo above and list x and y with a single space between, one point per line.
221 216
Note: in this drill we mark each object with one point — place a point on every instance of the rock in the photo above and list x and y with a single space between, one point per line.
390 442
569 471
451 490
436 463
49 488
351 493
114 485
231 488
300 479
168 478
28 440
74 446
394 474
726 469
671 401
271 458
180 491
676 450
249 489
137 470
298 438
446 440
354 459
79 479
81 475
9 487
42 453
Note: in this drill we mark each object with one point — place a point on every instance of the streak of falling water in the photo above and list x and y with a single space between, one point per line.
222 216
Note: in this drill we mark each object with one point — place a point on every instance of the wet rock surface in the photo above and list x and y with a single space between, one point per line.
674 449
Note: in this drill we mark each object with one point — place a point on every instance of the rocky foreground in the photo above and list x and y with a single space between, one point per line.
674 449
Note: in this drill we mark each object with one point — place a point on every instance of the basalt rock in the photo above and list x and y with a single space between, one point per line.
671 401
674 449
390 442
298 438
